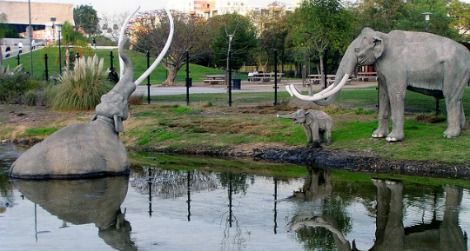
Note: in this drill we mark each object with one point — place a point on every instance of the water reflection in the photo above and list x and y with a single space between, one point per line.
202 210
445 234
325 223
80 202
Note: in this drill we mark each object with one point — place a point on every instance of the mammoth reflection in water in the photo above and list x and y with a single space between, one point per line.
80 202
328 215
444 234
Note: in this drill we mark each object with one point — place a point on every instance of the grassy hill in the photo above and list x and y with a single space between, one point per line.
138 59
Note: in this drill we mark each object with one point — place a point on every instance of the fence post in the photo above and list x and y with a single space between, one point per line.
46 67
111 63
187 78
275 77
229 79
148 78
18 59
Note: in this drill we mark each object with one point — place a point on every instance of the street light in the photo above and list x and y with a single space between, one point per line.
427 17
53 19
59 29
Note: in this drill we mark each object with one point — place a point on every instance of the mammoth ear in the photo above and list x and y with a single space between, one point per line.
378 46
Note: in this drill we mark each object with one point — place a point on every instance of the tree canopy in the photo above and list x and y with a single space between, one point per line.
244 38
86 18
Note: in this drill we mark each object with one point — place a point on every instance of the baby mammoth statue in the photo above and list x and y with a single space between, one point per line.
317 125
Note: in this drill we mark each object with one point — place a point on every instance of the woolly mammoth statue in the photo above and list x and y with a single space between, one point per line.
90 149
317 125
418 61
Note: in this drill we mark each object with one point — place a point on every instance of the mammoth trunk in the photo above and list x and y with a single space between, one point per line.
347 65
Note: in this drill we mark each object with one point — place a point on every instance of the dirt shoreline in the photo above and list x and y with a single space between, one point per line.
332 159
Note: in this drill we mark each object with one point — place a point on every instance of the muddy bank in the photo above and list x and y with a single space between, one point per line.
318 157
352 161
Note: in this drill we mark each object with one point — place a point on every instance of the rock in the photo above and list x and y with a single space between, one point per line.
85 150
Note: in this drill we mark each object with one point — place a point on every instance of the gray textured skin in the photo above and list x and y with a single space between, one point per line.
84 150
419 61
317 125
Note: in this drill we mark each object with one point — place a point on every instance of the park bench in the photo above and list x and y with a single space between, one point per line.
214 79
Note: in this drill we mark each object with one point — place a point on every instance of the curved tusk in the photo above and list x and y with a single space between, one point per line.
323 94
162 53
122 36
288 88
289 91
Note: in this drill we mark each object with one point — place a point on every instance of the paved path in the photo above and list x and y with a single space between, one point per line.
246 87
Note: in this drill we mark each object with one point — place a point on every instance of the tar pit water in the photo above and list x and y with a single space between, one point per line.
160 209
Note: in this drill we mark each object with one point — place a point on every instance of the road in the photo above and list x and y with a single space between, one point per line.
245 88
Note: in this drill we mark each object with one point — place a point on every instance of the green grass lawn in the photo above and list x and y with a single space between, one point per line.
139 61
252 121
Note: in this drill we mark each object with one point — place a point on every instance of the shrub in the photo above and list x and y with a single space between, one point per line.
13 84
80 88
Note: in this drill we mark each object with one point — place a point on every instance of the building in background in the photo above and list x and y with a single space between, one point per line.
44 18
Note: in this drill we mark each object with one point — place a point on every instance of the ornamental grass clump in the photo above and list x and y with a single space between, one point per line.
13 84
82 87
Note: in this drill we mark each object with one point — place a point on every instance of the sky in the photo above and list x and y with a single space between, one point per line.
110 7
121 6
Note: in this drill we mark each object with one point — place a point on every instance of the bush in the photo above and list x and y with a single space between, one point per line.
80 88
13 84
102 41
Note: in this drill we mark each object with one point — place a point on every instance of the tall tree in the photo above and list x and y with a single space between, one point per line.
86 19
320 25
151 31
243 39
459 12
411 17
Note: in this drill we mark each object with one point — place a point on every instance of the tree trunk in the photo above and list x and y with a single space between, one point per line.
322 71
67 58
1 55
170 79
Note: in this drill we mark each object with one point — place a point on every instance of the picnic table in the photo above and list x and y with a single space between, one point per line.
363 76
264 76
315 79
215 79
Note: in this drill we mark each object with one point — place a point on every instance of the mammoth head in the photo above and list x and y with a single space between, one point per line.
298 117
369 46
114 104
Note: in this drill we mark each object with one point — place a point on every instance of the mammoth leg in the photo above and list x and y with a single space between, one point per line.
396 95
462 117
384 111
308 132
453 93
315 130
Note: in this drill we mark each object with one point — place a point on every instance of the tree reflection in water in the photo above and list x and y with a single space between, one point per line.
168 184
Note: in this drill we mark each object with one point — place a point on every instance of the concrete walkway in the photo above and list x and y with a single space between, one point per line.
246 87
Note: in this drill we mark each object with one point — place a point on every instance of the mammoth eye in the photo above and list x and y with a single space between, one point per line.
357 50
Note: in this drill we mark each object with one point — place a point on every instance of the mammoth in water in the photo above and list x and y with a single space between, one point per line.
418 61
90 149
317 125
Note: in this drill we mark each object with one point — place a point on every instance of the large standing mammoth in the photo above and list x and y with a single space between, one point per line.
418 61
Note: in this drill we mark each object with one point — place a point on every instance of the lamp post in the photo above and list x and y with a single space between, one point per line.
427 17
59 29
53 19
